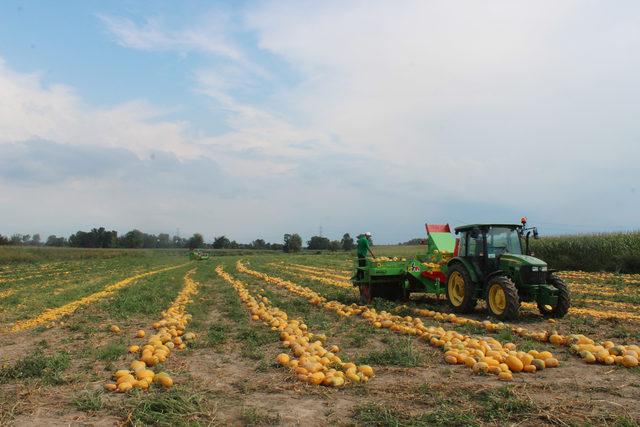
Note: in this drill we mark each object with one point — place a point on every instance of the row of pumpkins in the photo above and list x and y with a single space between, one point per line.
170 335
310 360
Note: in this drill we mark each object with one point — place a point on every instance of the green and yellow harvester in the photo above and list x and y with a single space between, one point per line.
487 261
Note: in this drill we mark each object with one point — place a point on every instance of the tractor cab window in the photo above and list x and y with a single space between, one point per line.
502 240
474 244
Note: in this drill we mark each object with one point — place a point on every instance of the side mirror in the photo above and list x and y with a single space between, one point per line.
474 233
535 234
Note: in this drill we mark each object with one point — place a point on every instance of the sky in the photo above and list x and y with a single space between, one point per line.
255 119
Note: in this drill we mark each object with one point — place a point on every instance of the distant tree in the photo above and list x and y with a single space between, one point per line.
132 239
3 240
16 239
97 238
150 241
292 243
196 241
163 240
259 244
335 245
179 242
55 241
35 240
413 242
318 243
275 246
26 238
221 242
347 242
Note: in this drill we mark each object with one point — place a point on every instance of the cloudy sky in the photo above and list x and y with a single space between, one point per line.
253 119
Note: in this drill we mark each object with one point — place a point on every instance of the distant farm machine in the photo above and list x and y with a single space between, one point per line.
487 262
198 255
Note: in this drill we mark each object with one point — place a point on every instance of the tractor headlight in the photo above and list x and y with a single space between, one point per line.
534 268
543 268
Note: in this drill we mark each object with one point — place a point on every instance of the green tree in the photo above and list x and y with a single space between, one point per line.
35 240
292 243
318 243
259 244
196 241
3 240
334 246
221 242
347 242
133 239
163 240
55 241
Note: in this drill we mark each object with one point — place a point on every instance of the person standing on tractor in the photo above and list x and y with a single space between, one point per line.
364 249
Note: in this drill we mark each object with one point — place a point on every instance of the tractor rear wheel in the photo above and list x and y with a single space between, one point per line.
502 298
365 294
564 299
461 291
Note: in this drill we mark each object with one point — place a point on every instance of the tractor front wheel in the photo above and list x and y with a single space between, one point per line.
502 298
461 291
564 299
365 294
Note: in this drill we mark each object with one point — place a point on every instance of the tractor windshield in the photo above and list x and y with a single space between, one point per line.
503 240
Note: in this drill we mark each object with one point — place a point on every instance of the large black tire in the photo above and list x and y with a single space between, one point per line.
465 301
502 298
564 299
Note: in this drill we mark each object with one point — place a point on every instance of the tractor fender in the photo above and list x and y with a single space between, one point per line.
466 264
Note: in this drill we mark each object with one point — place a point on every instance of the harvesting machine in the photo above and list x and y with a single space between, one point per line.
198 255
487 261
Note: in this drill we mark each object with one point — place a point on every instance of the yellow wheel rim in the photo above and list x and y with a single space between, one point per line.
497 299
455 286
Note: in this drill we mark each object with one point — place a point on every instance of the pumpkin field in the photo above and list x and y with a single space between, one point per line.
150 337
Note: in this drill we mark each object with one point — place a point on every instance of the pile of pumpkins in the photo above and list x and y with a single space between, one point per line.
607 352
310 361
487 355
170 335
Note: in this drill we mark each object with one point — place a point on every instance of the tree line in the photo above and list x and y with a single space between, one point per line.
103 238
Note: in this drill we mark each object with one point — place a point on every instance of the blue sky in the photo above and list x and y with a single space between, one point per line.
254 119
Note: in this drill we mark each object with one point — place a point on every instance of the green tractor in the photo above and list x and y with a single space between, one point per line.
487 262
491 264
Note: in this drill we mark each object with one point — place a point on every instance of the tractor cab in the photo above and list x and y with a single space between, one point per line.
484 244
491 263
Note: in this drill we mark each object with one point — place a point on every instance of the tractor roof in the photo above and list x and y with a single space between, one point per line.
485 226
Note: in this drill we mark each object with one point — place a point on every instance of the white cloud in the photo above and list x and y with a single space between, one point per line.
151 35
481 101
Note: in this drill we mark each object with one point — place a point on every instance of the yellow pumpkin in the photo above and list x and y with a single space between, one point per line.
366 370
163 379
514 364
629 361
124 387
505 376
551 362
283 359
